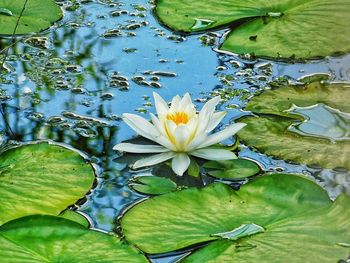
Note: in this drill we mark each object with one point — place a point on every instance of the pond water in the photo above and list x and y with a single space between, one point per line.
72 83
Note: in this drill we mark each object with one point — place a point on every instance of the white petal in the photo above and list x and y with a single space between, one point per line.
209 106
206 113
175 103
186 101
161 106
164 140
156 122
154 159
214 154
215 119
139 148
182 136
222 135
199 139
141 126
180 163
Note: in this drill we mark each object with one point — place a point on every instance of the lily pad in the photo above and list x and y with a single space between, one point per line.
153 185
287 28
184 218
232 169
275 216
55 239
37 16
309 124
41 179
76 217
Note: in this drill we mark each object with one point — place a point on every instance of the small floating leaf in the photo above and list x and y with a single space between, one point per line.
275 28
307 124
41 179
37 16
232 169
6 12
153 185
55 239
193 169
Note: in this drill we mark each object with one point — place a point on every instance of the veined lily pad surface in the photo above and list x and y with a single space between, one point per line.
309 124
278 215
41 179
55 239
37 16
287 28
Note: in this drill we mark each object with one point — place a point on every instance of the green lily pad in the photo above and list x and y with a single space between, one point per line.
76 217
275 216
193 169
55 239
188 217
37 16
288 28
41 179
232 169
152 185
309 124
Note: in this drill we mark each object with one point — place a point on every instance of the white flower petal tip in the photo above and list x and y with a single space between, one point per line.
180 163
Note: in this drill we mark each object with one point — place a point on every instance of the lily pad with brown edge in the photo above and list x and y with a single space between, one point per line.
305 124
278 214
232 169
287 28
37 16
41 178
55 239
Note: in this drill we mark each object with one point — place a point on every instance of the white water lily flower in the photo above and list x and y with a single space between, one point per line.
180 132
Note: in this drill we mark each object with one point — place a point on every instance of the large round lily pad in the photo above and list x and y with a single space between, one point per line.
280 215
41 179
309 124
37 16
54 239
300 28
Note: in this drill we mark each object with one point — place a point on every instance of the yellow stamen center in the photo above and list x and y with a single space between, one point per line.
178 117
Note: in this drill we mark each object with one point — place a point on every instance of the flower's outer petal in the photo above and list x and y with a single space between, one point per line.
180 163
139 148
214 154
160 104
206 113
222 135
182 136
209 106
154 159
215 119
141 126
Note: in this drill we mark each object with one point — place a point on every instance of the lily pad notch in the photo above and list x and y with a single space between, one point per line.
301 29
